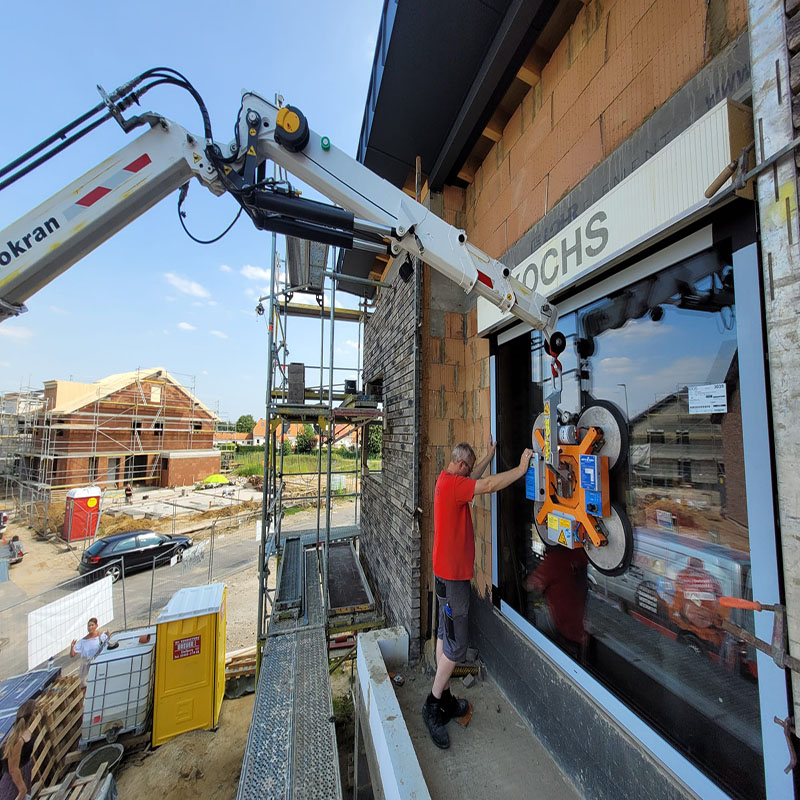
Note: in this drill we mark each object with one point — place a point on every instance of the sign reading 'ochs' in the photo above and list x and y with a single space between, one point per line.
655 198
567 254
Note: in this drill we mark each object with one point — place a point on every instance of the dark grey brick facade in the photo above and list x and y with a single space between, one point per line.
390 539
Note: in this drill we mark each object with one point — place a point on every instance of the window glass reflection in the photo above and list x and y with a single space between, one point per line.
664 351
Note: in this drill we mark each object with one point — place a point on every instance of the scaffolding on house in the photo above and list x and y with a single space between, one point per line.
47 448
321 588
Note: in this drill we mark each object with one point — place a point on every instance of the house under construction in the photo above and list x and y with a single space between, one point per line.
140 427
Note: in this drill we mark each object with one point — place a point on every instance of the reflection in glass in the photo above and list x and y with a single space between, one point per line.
654 634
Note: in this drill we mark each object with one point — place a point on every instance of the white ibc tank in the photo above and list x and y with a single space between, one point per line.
119 687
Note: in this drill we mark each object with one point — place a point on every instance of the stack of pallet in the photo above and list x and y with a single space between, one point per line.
75 788
240 663
57 728
240 672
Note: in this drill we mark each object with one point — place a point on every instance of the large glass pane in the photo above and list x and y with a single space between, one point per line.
664 352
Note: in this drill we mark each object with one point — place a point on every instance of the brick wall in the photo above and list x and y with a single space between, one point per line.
618 62
390 544
186 471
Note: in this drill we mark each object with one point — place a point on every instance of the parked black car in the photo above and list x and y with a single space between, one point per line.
137 549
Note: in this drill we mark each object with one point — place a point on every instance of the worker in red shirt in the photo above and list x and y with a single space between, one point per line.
453 560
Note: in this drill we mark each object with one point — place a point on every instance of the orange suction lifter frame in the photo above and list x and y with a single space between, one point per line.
575 506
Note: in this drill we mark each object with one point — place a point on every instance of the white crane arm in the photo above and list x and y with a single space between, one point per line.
48 240
416 230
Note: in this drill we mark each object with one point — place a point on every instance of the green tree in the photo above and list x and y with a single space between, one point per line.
375 441
245 423
305 442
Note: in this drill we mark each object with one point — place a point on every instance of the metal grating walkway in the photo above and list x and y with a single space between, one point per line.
290 579
291 748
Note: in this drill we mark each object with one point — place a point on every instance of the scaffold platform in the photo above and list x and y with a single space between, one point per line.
291 747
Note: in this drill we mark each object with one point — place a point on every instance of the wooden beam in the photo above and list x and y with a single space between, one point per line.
531 71
494 130
386 270
468 170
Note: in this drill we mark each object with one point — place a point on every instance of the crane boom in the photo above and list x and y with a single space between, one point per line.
372 213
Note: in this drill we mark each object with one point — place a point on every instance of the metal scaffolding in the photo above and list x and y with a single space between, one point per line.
108 439
292 744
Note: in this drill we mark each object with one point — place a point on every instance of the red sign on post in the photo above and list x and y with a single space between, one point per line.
182 648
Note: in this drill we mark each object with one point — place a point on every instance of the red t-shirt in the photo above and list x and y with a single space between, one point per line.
453 537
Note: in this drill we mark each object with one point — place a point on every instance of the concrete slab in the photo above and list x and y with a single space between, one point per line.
496 755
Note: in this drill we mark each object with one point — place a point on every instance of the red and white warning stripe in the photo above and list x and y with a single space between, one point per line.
109 184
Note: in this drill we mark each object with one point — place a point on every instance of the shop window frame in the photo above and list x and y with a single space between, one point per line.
773 699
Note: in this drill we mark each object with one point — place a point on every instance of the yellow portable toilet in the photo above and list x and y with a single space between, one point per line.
190 662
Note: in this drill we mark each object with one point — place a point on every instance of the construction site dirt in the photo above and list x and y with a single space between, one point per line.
206 763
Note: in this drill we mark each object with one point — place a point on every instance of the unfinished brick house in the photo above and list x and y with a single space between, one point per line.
575 142
141 427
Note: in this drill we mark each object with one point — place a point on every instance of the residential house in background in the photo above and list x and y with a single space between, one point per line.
238 438
141 427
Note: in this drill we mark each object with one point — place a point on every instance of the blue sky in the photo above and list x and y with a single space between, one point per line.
150 296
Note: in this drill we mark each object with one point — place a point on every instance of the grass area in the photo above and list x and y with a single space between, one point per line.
253 463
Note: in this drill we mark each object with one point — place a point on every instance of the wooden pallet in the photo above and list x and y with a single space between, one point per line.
57 728
240 663
72 787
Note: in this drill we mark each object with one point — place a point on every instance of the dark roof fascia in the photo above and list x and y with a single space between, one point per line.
518 32
378 64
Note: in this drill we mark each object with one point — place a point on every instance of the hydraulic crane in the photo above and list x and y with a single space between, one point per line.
369 214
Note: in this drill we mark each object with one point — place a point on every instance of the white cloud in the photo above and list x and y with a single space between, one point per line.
186 286
5 363
616 365
18 333
250 292
255 273
213 303
185 326
197 303
58 310
678 373
204 372
351 343
219 334
637 330
225 268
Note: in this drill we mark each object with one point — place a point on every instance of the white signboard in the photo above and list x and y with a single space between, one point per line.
664 519
52 628
653 198
709 398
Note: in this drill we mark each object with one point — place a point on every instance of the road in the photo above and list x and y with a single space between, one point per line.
233 553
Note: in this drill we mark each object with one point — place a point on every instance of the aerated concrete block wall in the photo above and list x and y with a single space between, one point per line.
628 77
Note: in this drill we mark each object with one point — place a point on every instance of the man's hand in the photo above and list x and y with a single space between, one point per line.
491 446
494 483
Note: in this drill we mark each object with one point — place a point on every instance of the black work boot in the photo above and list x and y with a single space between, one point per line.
435 721
453 707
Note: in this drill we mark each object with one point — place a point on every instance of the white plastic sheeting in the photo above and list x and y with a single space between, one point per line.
52 628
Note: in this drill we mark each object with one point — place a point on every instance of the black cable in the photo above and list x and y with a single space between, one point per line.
50 153
181 197
59 134
123 97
